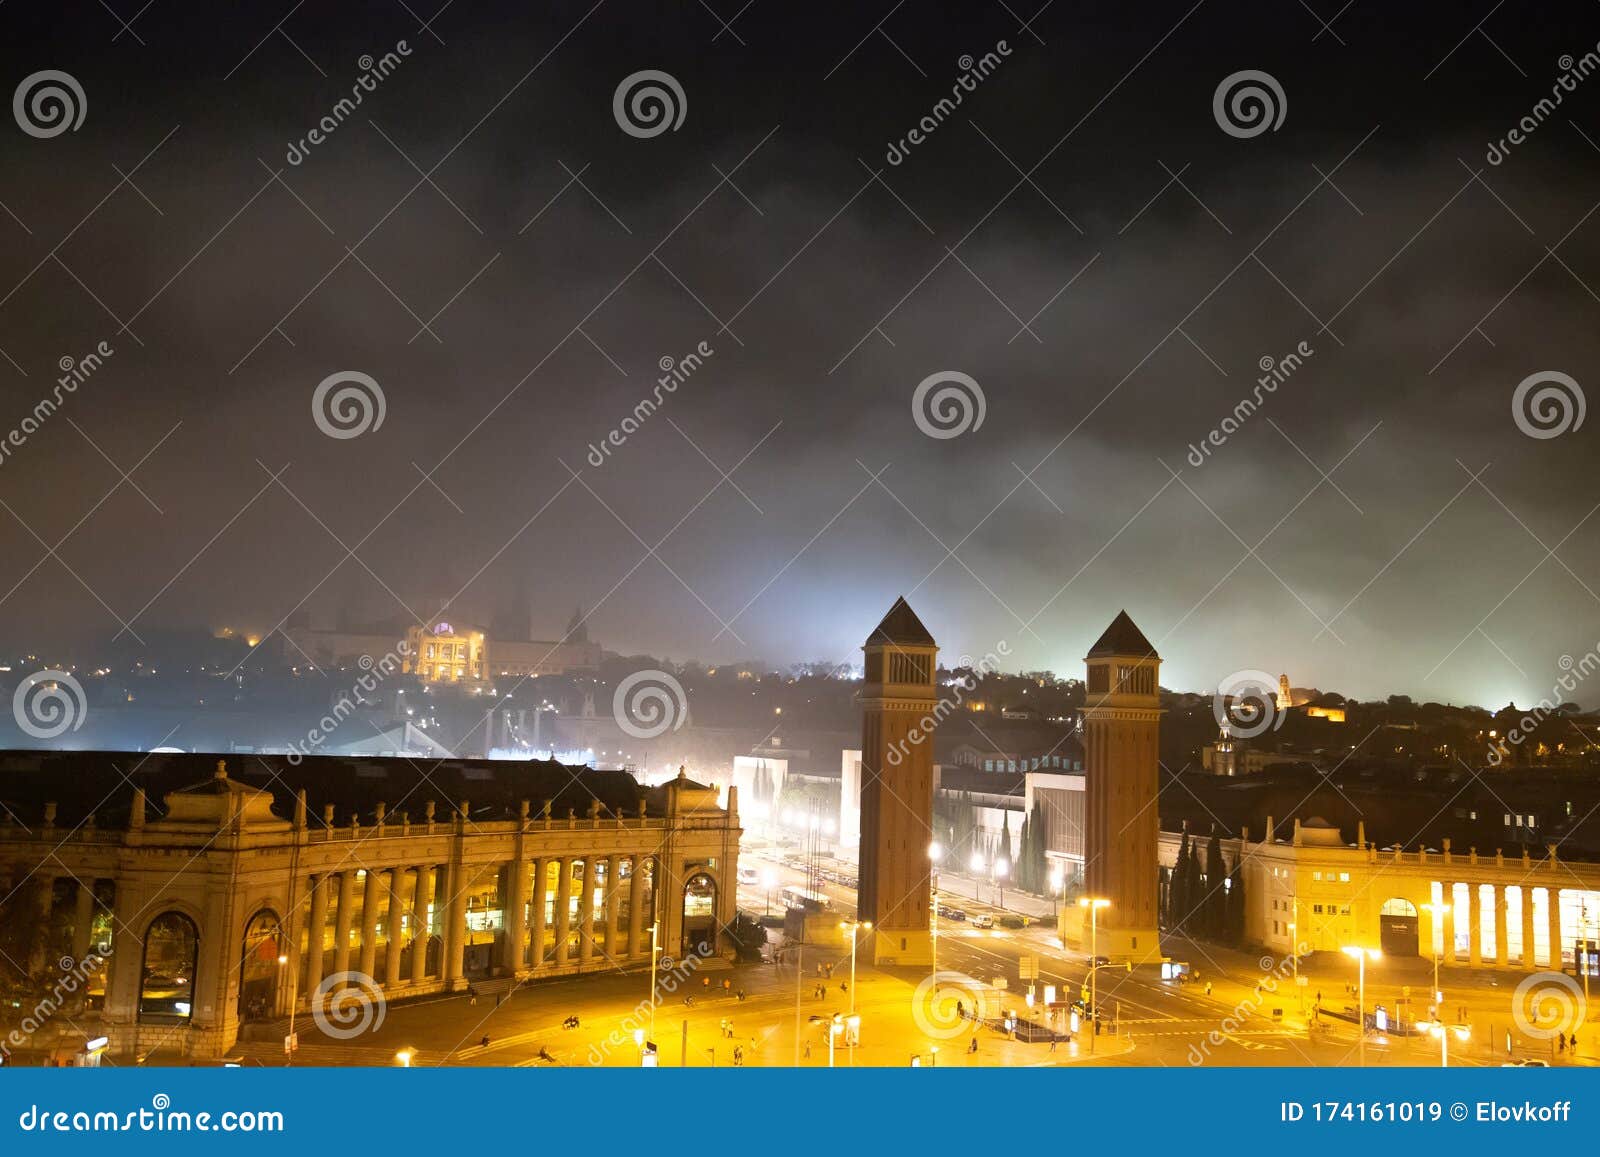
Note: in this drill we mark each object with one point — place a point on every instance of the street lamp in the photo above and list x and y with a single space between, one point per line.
403 1058
769 880
1058 881
855 926
1362 955
935 857
977 865
1002 867
294 998
1094 904
1438 911
655 951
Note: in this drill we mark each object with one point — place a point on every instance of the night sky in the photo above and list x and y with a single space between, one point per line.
1080 236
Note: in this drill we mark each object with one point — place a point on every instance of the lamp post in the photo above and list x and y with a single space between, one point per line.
1058 882
1438 911
935 856
1002 867
855 926
1362 955
655 951
977 866
1094 904
769 880
294 997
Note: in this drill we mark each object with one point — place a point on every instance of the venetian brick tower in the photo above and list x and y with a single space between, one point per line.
1121 729
897 700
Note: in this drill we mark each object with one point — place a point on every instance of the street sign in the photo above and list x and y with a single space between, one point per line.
1028 968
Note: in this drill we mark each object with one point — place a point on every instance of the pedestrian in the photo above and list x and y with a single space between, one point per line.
1208 988
1561 1043
722 1026
844 986
730 1030
1052 1042
738 1056
808 1050
973 1046
472 994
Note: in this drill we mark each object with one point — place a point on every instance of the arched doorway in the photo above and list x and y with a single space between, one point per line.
259 969
166 984
1397 927
699 916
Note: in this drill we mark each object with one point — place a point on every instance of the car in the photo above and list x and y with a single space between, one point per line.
955 914
983 920
1100 961
749 876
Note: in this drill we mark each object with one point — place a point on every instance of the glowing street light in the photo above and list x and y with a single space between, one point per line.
1094 904
1362 955
855 926
404 1057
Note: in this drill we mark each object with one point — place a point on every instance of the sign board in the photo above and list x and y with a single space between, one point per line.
291 1043
1028 968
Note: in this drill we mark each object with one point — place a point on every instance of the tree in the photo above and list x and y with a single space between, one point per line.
1177 885
1214 917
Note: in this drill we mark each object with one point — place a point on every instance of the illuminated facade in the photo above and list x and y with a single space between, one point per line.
444 654
1308 886
185 910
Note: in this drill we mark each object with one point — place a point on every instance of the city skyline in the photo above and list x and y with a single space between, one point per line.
1401 264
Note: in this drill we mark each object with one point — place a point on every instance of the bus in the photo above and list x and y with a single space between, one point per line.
805 900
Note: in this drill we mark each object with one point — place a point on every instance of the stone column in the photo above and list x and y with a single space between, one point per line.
614 946
420 932
1474 926
1448 897
563 908
394 942
1527 927
341 921
82 920
586 913
316 933
516 914
1553 900
636 907
369 922
455 929
541 882
1502 950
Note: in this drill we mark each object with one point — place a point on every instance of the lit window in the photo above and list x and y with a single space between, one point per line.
1344 877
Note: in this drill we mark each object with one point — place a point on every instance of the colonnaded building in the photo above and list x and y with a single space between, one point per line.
1304 884
176 898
